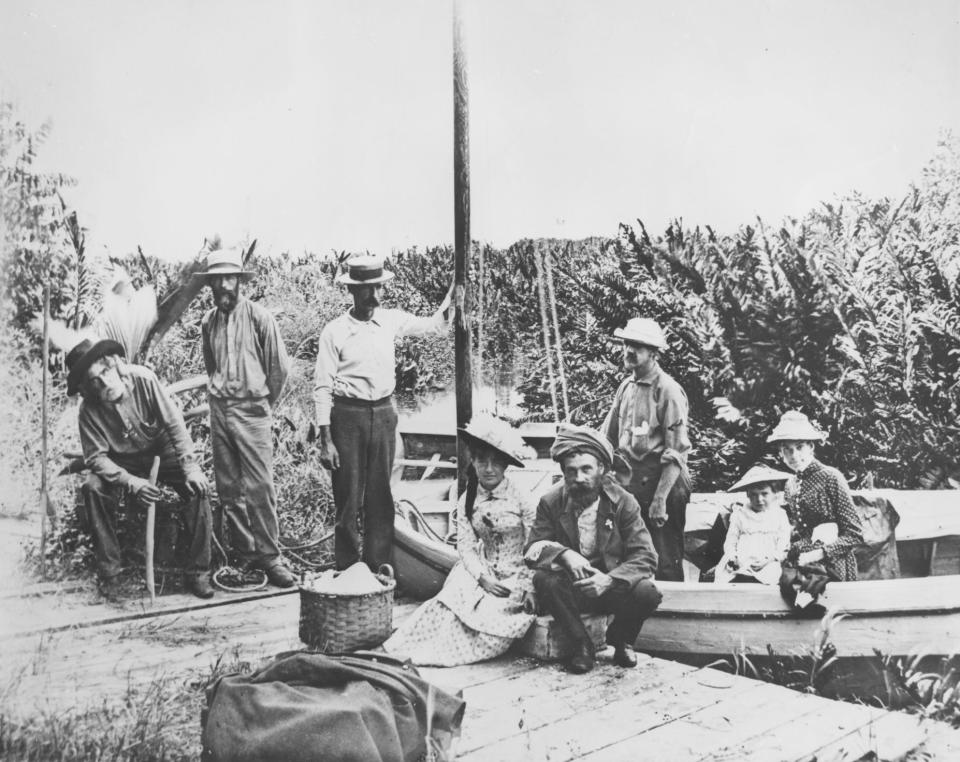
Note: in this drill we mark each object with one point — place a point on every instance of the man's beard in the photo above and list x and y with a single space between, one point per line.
584 495
225 299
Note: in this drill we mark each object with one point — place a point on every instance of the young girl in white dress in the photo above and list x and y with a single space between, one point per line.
758 537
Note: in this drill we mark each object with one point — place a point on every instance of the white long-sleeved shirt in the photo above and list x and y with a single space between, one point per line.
356 358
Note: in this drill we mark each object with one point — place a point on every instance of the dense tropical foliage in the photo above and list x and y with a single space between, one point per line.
851 314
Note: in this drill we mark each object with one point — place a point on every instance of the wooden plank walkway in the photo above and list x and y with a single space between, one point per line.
517 708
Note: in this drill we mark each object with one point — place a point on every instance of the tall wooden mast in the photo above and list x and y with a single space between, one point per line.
461 217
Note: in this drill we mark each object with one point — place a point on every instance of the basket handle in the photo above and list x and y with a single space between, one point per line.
386 570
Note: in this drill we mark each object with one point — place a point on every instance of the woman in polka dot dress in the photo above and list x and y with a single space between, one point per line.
816 495
479 612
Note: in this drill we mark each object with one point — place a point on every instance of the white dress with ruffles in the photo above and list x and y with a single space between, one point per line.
463 623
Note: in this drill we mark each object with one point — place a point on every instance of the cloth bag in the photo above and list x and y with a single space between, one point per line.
305 706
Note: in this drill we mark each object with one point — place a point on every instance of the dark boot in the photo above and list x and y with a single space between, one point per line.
280 576
623 655
199 585
582 660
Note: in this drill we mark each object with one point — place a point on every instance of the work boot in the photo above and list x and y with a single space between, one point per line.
582 660
199 585
109 588
280 576
623 655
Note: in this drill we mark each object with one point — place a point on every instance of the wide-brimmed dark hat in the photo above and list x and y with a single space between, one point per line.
225 262
495 434
85 354
365 270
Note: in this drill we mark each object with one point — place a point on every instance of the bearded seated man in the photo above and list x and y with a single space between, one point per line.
126 419
592 550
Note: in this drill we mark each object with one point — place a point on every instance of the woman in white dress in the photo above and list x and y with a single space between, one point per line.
480 610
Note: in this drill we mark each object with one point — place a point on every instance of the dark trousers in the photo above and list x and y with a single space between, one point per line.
364 434
242 441
100 501
668 539
630 606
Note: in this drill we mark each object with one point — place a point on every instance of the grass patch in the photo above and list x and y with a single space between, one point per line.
159 720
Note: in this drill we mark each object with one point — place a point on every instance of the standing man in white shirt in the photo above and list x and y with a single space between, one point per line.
355 379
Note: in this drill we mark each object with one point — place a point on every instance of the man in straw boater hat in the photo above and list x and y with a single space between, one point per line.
248 365
126 419
591 550
648 422
354 383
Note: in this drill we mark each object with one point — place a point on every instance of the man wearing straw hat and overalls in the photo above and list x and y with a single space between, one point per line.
247 365
648 423
355 379
126 419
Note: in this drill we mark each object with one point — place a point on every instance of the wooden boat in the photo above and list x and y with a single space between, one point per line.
702 622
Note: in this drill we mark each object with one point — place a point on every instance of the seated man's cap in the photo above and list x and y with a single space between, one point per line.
571 438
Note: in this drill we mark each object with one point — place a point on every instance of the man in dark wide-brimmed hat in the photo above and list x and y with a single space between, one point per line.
591 550
353 390
248 366
126 419
649 422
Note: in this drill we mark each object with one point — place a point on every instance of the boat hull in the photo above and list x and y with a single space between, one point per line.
897 617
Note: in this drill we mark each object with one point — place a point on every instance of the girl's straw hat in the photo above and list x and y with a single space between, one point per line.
795 426
759 474
496 434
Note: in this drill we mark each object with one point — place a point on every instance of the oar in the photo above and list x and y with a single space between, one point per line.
151 524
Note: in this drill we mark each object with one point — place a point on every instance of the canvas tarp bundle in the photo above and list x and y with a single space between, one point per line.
306 706
877 557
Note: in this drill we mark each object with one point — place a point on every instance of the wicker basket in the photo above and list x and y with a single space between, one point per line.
333 623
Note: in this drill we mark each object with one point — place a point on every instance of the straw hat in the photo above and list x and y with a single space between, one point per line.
795 426
759 474
488 431
225 262
642 331
85 354
367 269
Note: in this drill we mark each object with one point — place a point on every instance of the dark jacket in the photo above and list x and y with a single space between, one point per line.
623 542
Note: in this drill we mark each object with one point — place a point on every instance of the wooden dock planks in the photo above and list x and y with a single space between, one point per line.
517 707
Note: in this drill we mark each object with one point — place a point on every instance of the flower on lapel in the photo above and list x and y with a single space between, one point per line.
608 523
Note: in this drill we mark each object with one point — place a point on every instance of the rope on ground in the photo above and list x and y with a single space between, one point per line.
552 297
231 580
537 254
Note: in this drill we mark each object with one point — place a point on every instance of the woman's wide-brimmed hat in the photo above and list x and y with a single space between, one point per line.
225 262
85 354
496 434
642 331
795 426
759 474
365 270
